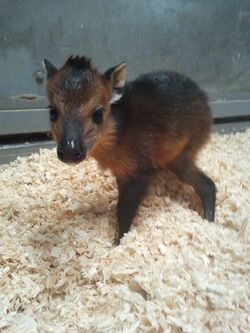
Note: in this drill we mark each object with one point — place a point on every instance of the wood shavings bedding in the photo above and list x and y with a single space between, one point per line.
60 272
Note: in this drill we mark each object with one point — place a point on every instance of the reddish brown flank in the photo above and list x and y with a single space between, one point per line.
160 120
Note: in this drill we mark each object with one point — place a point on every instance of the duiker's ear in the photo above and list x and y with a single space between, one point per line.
117 76
50 68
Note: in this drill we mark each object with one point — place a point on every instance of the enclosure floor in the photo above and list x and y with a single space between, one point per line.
174 272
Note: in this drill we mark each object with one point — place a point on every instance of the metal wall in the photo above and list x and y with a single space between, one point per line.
207 40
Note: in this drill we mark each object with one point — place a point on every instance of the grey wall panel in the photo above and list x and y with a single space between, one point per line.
9 153
207 40
24 121
225 108
37 120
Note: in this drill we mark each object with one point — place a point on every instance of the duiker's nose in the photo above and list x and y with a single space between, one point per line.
71 151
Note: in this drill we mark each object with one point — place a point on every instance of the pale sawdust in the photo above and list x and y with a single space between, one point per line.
174 272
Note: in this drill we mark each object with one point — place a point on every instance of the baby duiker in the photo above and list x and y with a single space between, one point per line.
160 120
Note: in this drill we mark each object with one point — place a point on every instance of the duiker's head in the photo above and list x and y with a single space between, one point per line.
80 99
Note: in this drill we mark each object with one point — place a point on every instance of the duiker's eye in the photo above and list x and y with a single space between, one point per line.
53 113
97 116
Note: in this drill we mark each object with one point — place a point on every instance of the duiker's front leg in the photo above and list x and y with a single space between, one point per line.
131 194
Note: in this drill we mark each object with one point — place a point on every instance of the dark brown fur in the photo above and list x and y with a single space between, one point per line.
161 120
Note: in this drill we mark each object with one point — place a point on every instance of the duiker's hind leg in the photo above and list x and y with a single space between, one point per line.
187 172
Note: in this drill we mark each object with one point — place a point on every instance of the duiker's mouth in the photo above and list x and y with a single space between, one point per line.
72 162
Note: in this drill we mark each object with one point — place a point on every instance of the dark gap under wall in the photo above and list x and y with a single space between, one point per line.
233 119
24 138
